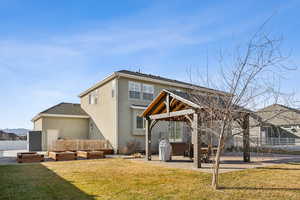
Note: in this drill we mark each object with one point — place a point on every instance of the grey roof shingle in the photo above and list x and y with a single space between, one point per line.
212 101
278 114
65 109
168 80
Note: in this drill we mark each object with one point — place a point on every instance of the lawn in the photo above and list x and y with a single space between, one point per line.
123 179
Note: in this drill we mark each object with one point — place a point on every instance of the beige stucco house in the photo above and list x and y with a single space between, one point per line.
111 110
273 126
65 121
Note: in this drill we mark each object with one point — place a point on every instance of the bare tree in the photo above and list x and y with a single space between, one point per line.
247 83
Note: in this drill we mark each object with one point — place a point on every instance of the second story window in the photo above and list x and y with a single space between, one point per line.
113 88
148 92
134 90
93 97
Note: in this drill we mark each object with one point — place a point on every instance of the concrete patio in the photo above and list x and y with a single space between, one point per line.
229 162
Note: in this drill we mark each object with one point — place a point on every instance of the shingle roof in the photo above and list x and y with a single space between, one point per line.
278 114
190 100
201 100
154 78
166 79
65 109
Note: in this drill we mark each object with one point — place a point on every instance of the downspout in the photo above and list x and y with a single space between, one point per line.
117 114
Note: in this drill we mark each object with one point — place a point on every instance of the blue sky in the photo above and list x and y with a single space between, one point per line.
50 51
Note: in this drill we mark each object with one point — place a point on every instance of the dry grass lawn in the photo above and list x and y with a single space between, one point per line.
124 179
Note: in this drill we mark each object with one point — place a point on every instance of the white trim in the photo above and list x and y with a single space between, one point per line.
59 115
182 99
172 114
153 80
182 85
138 107
105 80
117 116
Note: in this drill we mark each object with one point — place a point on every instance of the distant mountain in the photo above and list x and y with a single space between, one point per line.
8 136
17 131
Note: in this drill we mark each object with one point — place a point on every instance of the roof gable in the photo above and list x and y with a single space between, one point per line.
65 109
182 100
279 115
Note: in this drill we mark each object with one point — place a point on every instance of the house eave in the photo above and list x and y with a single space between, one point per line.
59 115
105 80
136 77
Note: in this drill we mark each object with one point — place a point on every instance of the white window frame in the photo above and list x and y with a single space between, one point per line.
134 87
94 97
136 124
113 88
148 89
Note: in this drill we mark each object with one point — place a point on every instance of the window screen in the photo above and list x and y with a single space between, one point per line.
134 90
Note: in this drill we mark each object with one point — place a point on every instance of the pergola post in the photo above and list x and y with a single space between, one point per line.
148 139
246 138
197 141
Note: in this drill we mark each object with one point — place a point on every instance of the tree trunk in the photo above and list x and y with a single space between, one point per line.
216 166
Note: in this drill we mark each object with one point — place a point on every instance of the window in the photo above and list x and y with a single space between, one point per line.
134 90
148 92
175 133
93 97
113 88
91 126
139 122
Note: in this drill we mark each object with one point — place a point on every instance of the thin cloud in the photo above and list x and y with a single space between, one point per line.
41 72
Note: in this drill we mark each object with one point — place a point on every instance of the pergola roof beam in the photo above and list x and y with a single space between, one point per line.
178 107
172 114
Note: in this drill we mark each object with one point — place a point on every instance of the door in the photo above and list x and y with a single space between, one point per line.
52 136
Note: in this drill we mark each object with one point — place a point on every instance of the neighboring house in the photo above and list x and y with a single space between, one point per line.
278 125
111 110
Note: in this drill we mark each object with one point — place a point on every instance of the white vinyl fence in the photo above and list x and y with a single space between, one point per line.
13 145
292 144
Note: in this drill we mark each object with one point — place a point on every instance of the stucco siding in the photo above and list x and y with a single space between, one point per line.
126 116
38 125
67 128
102 114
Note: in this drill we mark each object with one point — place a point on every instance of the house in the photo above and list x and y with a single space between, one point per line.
279 125
111 110
65 121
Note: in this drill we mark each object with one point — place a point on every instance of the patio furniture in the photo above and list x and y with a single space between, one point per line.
29 157
206 153
90 154
179 148
62 156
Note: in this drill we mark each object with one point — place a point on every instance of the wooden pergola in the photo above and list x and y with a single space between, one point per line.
180 106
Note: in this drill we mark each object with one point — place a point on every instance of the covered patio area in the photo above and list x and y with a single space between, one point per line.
192 109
